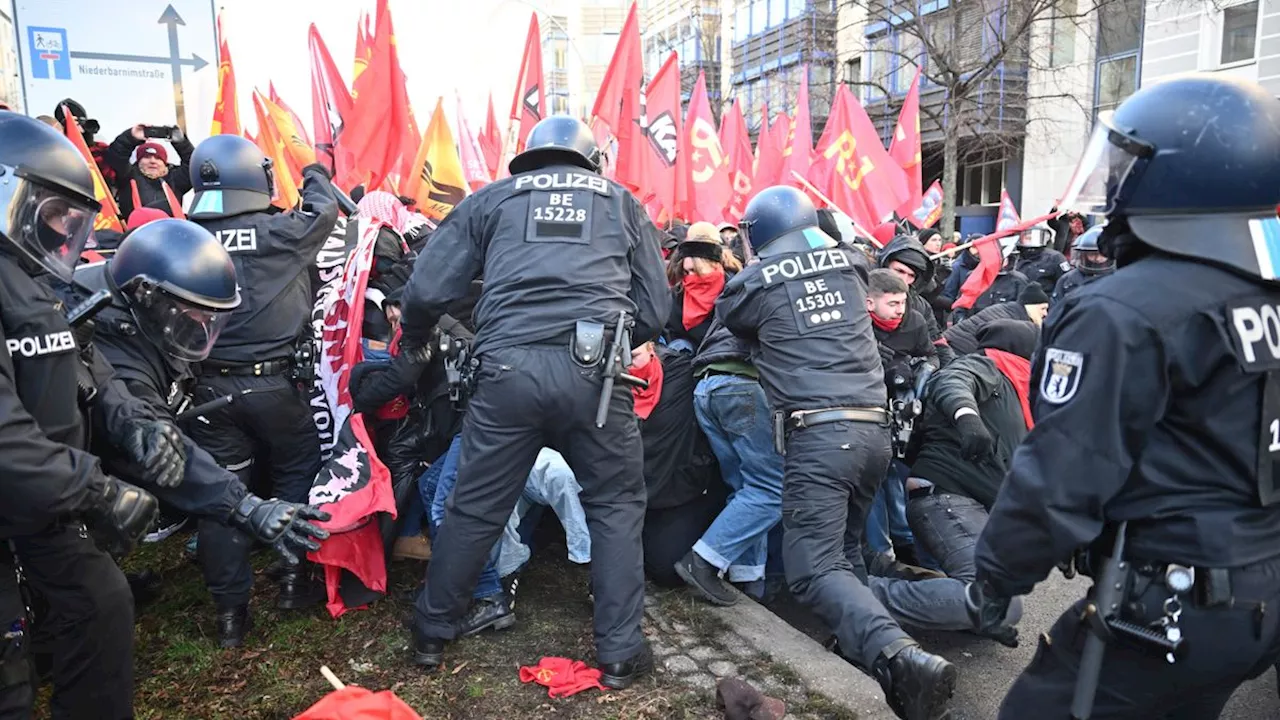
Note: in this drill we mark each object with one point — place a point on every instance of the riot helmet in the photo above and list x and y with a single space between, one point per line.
179 283
230 176
1086 255
558 140
47 204
781 219
1189 166
1036 237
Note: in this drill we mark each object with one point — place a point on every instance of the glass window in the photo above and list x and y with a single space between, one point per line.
777 12
905 70
993 183
1062 43
759 15
853 71
820 77
1117 79
1239 32
877 72
973 185
796 8
1119 27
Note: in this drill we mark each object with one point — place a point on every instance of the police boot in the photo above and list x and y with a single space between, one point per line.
233 624
298 589
704 578
621 675
917 684
488 612
428 652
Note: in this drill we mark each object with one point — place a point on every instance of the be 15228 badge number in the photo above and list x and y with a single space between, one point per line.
1061 378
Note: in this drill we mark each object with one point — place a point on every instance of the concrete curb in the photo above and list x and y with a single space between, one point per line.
821 671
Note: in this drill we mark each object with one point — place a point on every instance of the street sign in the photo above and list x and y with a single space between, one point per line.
145 61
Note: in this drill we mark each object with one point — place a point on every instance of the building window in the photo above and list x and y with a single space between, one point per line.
877 68
853 71
1239 33
759 15
980 183
1117 66
1062 43
777 13
741 23
1117 79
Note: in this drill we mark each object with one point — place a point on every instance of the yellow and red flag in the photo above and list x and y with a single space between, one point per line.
905 148
226 113
711 188
298 125
736 143
374 133
860 176
275 148
109 216
438 183
364 47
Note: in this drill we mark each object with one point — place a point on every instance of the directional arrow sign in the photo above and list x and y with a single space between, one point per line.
171 18
195 61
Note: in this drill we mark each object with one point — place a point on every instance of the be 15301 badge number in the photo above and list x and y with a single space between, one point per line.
820 302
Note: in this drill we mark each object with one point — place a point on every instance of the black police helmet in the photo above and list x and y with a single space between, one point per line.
558 140
180 285
47 204
1083 249
782 219
230 176
1192 167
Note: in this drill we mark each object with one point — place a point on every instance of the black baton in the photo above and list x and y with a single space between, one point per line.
1106 602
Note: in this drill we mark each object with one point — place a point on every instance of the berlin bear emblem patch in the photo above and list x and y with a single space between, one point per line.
1061 378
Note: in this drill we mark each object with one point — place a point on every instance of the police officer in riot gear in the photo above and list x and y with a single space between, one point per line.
1038 260
804 304
563 251
173 287
52 486
271 253
1157 405
1088 263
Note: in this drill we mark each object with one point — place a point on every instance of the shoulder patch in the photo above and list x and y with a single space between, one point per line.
1061 376
1065 266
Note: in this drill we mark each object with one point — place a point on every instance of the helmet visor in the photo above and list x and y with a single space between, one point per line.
1108 160
183 330
48 226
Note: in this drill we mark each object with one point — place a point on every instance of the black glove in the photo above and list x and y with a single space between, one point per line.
419 350
975 441
157 446
120 514
318 168
886 354
281 524
986 607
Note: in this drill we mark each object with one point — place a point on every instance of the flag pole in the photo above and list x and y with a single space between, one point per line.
997 235
333 679
809 186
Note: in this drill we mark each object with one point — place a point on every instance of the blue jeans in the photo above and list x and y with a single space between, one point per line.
438 482
887 520
734 415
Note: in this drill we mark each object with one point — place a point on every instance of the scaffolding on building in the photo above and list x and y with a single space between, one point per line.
773 46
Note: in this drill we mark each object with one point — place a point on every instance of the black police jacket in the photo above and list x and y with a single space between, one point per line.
963 336
1044 267
555 246
1007 286
719 346
273 253
159 381
807 312
1154 407
1072 280
973 382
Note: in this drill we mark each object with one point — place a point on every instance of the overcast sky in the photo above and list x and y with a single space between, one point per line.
472 46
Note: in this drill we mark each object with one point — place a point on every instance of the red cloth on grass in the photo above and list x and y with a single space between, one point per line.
562 677
356 703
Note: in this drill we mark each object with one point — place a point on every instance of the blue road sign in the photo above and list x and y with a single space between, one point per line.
50 58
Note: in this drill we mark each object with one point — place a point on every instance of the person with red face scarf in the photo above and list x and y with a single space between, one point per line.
697 271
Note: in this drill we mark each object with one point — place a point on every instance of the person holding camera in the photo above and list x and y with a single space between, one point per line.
150 181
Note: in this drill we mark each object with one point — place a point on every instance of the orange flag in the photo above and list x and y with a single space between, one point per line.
618 105
381 104
708 165
737 146
286 126
109 216
298 126
904 148
226 113
529 104
274 147
439 183
797 154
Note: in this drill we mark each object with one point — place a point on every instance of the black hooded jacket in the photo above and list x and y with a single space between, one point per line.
911 253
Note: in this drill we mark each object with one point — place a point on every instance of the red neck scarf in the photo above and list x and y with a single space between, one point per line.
700 293
647 399
397 408
1018 371
885 325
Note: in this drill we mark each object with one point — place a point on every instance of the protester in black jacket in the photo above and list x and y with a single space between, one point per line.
906 257
902 332
697 271
1032 306
141 184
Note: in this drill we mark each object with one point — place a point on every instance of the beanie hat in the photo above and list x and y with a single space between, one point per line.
143 215
155 150
1012 336
1033 294
926 234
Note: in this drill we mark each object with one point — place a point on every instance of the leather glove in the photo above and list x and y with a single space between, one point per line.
120 514
157 446
987 608
318 168
280 524
419 350
975 442
886 354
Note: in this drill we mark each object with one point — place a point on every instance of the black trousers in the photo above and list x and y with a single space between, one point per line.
526 398
670 532
272 425
87 627
1226 647
831 473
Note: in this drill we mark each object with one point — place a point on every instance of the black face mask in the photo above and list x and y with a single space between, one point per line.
1030 252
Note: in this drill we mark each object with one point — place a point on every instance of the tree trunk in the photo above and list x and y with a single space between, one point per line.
950 159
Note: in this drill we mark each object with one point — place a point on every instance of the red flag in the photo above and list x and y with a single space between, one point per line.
663 111
330 108
737 146
618 105
904 148
529 104
226 114
863 180
1007 217
930 207
382 103
769 152
797 154
991 257
708 165
297 121
364 47
356 703
470 154
491 141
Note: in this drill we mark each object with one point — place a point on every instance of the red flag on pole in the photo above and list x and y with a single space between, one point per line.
297 121
364 47
930 207
663 110
330 108
991 257
620 107
737 145
863 180
529 104
491 141
469 153
769 158
226 114
904 148
708 165
1007 216
383 103
797 154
